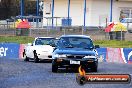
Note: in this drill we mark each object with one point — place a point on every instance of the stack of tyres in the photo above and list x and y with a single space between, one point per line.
22 32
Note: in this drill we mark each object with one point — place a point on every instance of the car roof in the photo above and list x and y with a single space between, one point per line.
83 36
45 37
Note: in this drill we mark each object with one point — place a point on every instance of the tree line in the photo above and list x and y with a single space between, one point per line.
11 8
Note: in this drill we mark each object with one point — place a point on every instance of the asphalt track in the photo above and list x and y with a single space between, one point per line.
20 74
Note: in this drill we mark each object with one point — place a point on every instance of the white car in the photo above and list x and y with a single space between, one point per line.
127 22
40 49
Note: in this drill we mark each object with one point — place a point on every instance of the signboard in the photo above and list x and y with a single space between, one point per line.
119 55
9 50
102 54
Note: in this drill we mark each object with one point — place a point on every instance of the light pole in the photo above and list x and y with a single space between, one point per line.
84 24
52 14
22 7
37 13
111 10
37 8
68 11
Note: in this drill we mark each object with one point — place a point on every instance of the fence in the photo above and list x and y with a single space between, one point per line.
118 55
96 34
38 21
44 27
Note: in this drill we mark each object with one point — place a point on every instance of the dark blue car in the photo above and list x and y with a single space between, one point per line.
73 51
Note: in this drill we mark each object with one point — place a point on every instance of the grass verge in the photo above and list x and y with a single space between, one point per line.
102 43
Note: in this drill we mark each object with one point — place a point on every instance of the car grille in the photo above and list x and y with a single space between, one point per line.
75 57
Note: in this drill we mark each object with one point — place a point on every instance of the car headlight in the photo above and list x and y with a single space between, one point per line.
60 56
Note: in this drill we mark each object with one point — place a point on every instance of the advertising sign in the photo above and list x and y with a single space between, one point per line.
9 50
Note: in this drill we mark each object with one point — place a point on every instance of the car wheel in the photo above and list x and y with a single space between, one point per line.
25 57
94 69
54 67
36 59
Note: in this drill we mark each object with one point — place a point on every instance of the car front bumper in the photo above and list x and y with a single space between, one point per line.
44 55
67 62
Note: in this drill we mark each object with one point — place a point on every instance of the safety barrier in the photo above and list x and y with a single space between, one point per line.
9 50
102 54
118 55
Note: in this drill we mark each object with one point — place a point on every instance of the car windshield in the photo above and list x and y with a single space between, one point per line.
44 41
75 42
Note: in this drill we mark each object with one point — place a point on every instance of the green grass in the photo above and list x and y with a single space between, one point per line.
114 43
16 39
102 43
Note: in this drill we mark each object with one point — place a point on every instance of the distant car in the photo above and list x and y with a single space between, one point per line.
73 51
40 49
127 22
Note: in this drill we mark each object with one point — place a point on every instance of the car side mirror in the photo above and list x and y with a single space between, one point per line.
97 46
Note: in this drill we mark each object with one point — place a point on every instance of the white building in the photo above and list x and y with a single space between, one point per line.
97 11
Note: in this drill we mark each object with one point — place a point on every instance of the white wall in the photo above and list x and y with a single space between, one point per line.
97 11
76 11
100 10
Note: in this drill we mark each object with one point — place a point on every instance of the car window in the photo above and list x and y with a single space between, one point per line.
123 21
44 41
75 42
126 20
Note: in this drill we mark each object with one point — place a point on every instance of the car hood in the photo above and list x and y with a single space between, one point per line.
44 47
75 51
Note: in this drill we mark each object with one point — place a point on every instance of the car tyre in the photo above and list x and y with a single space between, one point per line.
95 69
54 67
25 57
36 59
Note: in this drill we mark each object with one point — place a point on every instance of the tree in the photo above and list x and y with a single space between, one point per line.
4 8
10 8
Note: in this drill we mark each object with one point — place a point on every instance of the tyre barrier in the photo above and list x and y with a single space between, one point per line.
119 55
